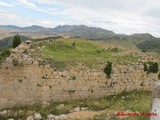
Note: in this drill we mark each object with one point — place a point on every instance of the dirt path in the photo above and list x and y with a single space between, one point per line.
82 115
88 115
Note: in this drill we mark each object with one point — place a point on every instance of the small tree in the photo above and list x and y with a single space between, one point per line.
153 68
108 69
16 41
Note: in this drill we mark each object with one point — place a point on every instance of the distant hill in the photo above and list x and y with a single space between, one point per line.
135 38
150 46
33 27
7 42
12 27
67 30
9 27
84 32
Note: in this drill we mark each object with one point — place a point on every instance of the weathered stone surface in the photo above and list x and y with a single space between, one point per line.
60 106
30 117
3 113
37 116
51 117
62 117
84 108
77 109
10 119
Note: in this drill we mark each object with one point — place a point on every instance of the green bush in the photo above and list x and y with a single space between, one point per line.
108 69
16 41
4 54
73 77
151 67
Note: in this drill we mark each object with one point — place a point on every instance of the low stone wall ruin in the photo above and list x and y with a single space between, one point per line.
29 82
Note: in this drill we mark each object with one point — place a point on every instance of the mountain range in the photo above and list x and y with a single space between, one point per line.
145 41
66 30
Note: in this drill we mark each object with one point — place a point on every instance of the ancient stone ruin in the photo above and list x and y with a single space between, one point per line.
24 80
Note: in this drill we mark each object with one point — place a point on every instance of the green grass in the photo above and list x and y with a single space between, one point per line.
4 54
86 52
134 101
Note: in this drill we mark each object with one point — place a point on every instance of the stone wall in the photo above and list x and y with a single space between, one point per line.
29 82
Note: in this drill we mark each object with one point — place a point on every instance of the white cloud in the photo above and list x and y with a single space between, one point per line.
33 6
30 5
125 16
13 19
5 4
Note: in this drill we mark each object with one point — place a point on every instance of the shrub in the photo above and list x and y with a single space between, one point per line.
73 77
153 67
16 41
4 54
108 69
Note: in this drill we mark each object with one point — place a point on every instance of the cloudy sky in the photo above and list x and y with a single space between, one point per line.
120 16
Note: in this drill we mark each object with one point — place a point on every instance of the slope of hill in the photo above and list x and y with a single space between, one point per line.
150 46
130 41
9 27
87 52
12 27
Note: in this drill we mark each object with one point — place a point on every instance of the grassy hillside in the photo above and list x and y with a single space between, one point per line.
86 52
150 46
130 41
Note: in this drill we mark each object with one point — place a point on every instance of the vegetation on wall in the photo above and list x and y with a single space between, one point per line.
4 54
151 67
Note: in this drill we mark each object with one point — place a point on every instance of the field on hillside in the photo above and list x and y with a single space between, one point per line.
88 52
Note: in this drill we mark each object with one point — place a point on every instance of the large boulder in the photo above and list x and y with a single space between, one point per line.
30 117
37 116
